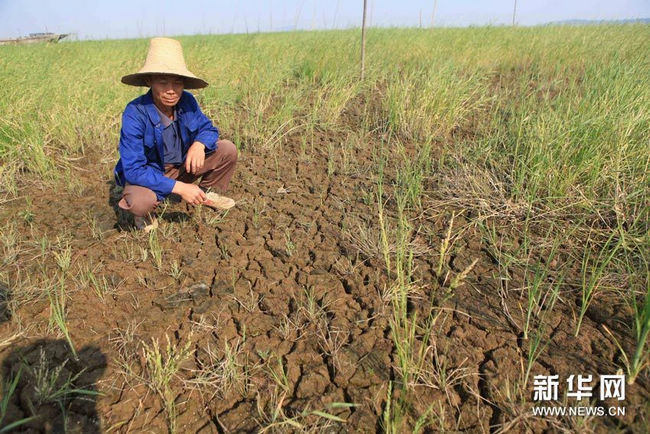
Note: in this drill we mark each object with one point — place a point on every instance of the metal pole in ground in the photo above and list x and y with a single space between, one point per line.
363 40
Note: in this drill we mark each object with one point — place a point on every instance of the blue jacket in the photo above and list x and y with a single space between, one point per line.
141 142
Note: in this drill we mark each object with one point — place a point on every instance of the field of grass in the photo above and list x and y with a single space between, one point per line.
407 254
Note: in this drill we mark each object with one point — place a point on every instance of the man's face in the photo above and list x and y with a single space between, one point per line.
166 89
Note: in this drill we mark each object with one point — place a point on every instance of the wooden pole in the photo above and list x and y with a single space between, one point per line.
433 14
363 40
336 12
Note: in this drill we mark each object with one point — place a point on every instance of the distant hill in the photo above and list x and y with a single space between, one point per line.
590 22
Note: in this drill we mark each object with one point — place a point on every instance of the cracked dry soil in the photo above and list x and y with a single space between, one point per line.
278 282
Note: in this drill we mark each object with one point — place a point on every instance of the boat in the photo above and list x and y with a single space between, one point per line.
35 38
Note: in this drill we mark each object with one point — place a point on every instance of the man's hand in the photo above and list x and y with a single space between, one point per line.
190 193
195 158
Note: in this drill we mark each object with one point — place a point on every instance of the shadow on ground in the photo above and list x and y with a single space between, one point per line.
124 220
50 390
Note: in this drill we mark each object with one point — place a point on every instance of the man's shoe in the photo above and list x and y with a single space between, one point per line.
216 201
146 224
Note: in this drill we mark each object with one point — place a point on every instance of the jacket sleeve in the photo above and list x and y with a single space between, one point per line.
207 133
137 169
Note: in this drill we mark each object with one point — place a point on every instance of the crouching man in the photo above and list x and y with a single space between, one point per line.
167 143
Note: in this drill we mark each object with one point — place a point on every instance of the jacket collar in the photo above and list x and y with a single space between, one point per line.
147 101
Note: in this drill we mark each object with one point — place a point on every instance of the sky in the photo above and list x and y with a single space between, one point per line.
101 19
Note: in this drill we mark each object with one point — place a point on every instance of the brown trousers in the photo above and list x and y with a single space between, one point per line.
216 173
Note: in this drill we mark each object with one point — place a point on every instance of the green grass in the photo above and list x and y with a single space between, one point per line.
9 388
161 367
593 270
58 312
556 112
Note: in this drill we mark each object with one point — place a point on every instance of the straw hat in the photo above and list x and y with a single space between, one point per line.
165 56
